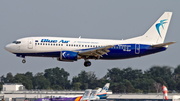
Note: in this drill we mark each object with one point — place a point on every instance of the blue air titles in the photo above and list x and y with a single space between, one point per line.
54 41
64 41
47 40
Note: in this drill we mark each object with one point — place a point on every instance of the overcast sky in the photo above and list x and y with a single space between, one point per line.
100 19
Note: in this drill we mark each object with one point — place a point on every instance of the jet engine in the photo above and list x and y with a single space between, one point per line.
68 56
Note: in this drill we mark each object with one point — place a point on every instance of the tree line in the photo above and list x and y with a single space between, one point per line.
125 80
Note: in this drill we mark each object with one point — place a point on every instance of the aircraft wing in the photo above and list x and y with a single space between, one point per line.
163 44
96 52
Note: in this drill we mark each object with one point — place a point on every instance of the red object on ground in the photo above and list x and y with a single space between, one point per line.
164 88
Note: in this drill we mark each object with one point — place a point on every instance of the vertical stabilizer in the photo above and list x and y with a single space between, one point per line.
102 93
94 95
86 95
157 32
106 87
99 90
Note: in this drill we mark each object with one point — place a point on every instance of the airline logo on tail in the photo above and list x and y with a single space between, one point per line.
160 24
103 93
106 87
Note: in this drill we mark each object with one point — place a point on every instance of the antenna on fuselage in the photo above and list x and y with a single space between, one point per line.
79 37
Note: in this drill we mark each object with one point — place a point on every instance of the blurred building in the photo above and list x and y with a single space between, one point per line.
13 87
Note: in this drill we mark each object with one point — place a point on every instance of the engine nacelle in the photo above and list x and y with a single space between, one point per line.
69 56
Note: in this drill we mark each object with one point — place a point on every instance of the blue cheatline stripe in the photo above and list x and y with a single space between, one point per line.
119 52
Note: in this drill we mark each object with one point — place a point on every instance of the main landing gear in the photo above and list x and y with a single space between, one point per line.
87 63
24 61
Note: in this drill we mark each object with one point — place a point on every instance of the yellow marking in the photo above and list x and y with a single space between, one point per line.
78 98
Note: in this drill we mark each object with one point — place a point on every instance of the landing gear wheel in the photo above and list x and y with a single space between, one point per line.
87 63
23 61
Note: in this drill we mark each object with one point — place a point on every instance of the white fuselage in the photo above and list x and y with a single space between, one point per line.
36 45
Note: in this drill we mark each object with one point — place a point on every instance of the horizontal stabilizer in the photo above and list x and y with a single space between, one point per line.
163 44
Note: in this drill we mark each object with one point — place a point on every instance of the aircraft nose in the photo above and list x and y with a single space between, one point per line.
7 47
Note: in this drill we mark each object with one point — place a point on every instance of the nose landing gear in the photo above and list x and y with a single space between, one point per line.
23 61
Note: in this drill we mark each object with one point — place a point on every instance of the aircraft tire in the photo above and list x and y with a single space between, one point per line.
23 61
87 63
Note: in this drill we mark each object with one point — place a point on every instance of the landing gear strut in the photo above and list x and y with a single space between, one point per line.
87 63
23 61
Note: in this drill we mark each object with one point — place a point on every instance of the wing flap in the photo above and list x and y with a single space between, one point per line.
96 52
163 44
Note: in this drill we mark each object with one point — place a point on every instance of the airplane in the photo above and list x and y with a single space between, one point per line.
85 97
89 94
94 95
101 93
72 49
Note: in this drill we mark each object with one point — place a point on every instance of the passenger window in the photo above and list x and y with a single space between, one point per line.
85 45
35 43
41 43
76 45
61 44
82 45
38 43
66 44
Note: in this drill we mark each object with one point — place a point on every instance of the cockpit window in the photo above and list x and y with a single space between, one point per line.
16 42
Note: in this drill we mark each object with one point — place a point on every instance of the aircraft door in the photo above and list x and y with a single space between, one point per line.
30 44
137 48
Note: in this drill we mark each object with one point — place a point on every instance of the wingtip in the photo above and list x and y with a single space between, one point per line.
174 42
